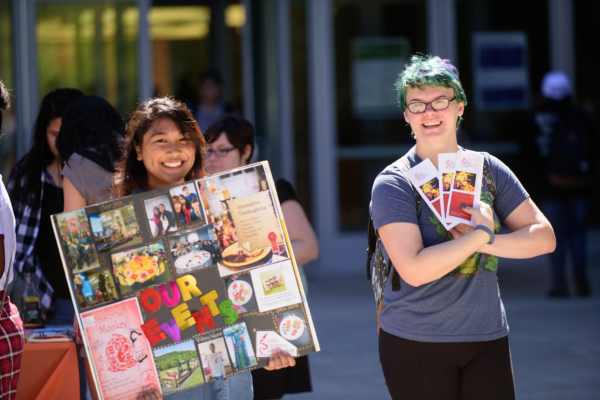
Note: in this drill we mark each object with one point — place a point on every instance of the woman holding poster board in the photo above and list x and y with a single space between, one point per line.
445 331
231 144
164 147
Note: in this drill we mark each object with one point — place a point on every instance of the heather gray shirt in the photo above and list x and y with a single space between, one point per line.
465 304
91 180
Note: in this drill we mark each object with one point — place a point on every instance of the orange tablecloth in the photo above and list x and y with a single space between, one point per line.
49 371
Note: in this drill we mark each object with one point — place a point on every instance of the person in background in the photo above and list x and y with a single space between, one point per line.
210 103
90 144
36 193
11 325
164 147
230 145
566 169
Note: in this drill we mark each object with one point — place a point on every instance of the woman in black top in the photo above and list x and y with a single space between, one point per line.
230 142
36 193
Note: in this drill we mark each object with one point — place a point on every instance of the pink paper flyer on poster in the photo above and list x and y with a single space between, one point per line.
424 177
446 173
466 186
120 351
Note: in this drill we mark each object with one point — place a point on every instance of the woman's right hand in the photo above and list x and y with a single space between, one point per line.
484 215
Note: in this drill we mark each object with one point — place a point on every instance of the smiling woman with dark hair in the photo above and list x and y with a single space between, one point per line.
11 326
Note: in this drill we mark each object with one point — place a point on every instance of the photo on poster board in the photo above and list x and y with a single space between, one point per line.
292 327
275 286
246 220
239 346
178 366
194 248
160 216
191 209
139 268
431 189
215 361
123 358
241 293
115 229
176 308
95 287
76 241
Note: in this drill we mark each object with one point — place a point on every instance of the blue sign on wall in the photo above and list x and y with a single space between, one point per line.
501 71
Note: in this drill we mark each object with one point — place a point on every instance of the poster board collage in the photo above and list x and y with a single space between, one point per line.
181 286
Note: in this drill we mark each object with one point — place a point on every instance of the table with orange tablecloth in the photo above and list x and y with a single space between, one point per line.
49 371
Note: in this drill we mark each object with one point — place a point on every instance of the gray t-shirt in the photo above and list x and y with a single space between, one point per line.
91 180
465 304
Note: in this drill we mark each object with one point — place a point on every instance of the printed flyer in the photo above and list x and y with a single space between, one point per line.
171 286
446 174
466 186
424 177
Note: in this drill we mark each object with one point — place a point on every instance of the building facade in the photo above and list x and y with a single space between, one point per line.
315 76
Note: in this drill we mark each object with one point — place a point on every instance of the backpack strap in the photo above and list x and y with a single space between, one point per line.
372 239
489 179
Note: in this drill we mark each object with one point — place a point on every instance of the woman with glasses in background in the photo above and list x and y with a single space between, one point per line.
230 142
444 333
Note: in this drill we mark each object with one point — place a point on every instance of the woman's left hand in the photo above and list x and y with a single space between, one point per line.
280 359
150 394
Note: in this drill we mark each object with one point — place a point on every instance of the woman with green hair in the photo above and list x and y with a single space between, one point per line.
444 333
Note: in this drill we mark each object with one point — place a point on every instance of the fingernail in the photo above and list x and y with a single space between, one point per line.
463 206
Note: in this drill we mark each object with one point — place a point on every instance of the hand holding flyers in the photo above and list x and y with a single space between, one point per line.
458 182
466 187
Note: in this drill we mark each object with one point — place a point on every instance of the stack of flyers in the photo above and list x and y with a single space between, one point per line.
446 174
424 177
465 188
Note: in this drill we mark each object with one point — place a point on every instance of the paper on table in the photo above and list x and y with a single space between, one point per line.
446 173
267 341
424 177
466 186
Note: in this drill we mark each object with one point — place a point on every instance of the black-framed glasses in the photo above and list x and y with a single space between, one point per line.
219 152
436 105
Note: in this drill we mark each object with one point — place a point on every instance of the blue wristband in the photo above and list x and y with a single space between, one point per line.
488 231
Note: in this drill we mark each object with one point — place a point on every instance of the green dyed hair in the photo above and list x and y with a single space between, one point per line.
427 70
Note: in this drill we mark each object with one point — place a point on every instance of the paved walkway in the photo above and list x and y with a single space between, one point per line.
555 344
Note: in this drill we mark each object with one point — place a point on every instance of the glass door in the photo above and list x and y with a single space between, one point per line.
90 46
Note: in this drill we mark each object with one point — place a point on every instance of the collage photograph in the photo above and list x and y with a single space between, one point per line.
94 288
178 366
239 346
240 206
115 229
195 248
215 360
77 241
142 267
159 213
187 204
240 292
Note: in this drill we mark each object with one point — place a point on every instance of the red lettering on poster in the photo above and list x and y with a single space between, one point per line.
153 332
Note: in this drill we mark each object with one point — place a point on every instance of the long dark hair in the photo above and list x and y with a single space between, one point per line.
90 122
131 174
28 185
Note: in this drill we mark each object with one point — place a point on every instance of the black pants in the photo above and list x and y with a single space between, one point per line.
444 371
